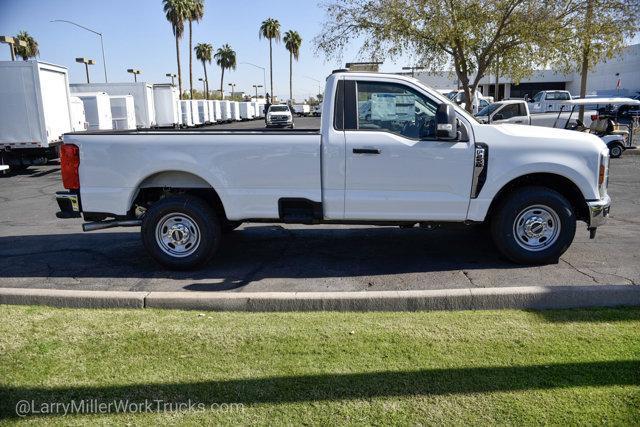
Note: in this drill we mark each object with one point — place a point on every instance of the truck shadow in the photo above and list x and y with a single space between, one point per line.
256 252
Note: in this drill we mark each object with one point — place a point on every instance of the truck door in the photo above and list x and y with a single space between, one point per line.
396 169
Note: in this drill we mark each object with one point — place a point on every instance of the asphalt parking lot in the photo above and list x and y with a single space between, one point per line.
38 250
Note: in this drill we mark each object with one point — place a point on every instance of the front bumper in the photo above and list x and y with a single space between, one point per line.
598 211
69 204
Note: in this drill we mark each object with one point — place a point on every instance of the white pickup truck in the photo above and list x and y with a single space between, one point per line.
517 112
415 159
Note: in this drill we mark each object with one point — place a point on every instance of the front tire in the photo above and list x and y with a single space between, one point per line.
181 232
615 151
534 225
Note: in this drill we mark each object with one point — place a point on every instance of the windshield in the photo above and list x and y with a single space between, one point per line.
486 111
278 108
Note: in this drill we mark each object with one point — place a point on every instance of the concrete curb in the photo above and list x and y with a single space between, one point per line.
70 298
526 297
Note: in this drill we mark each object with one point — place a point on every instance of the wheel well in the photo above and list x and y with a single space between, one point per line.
163 184
558 183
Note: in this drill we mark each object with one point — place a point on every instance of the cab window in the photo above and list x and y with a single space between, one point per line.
395 108
509 111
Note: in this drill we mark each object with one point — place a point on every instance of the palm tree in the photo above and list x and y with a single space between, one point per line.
195 12
30 50
270 29
176 13
203 53
292 42
226 59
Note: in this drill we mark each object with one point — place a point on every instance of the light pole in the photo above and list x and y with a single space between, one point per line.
264 75
233 87
86 63
413 69
11 41
256 88
204 87
135 73
316 80
172 77
104 62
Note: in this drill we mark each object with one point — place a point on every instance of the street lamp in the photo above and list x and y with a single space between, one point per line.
86 63
172 77
104 62
264 75
204 87
135 73
413 69
11 41
233 87
256 88
316 80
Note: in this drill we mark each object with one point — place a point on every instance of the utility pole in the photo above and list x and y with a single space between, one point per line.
104 62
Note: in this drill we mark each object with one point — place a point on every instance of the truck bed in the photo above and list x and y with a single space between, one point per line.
250 170
191 131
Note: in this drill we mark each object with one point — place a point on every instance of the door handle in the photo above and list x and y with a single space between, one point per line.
366 151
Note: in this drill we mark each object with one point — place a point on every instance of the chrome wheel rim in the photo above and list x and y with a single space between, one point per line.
536 228
177 235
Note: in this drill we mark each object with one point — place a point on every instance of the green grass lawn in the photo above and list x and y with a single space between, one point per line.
506 367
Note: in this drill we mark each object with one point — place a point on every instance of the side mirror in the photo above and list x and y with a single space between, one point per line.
446 126
497 117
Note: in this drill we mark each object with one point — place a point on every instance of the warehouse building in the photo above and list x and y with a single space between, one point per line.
619 76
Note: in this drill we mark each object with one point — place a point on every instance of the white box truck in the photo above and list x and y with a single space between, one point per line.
78 119
247 111
123 114
34 112
185 110
166 101
302 110
235 110
142 97
212 112
225 107
259 109
203 111
97 110
195 113
217 108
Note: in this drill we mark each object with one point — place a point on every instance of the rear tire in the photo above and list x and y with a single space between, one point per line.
615 151
534 225
181 232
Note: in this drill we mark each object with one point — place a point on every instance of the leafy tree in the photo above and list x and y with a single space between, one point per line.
292 41
270 29
599 28
226 58
467 34
195 12
204 52
176 12
31 50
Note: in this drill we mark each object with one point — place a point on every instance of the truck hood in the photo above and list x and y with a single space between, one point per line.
538 137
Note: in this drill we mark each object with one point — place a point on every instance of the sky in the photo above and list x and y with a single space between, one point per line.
137 35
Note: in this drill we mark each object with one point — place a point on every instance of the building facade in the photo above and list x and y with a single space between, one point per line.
619 76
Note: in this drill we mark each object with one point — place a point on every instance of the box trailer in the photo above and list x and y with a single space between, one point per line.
213 117
97 110
302 110
235 110
166 99
35 111
203 111
217 109
225 108
185 110
247 111
78 119
195 113
123 114
142 97
259 109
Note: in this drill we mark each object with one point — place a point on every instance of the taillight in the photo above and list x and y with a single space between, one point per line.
594 117
69 163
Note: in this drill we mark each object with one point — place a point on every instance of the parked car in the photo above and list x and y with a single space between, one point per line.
436 166
34 112
279 115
